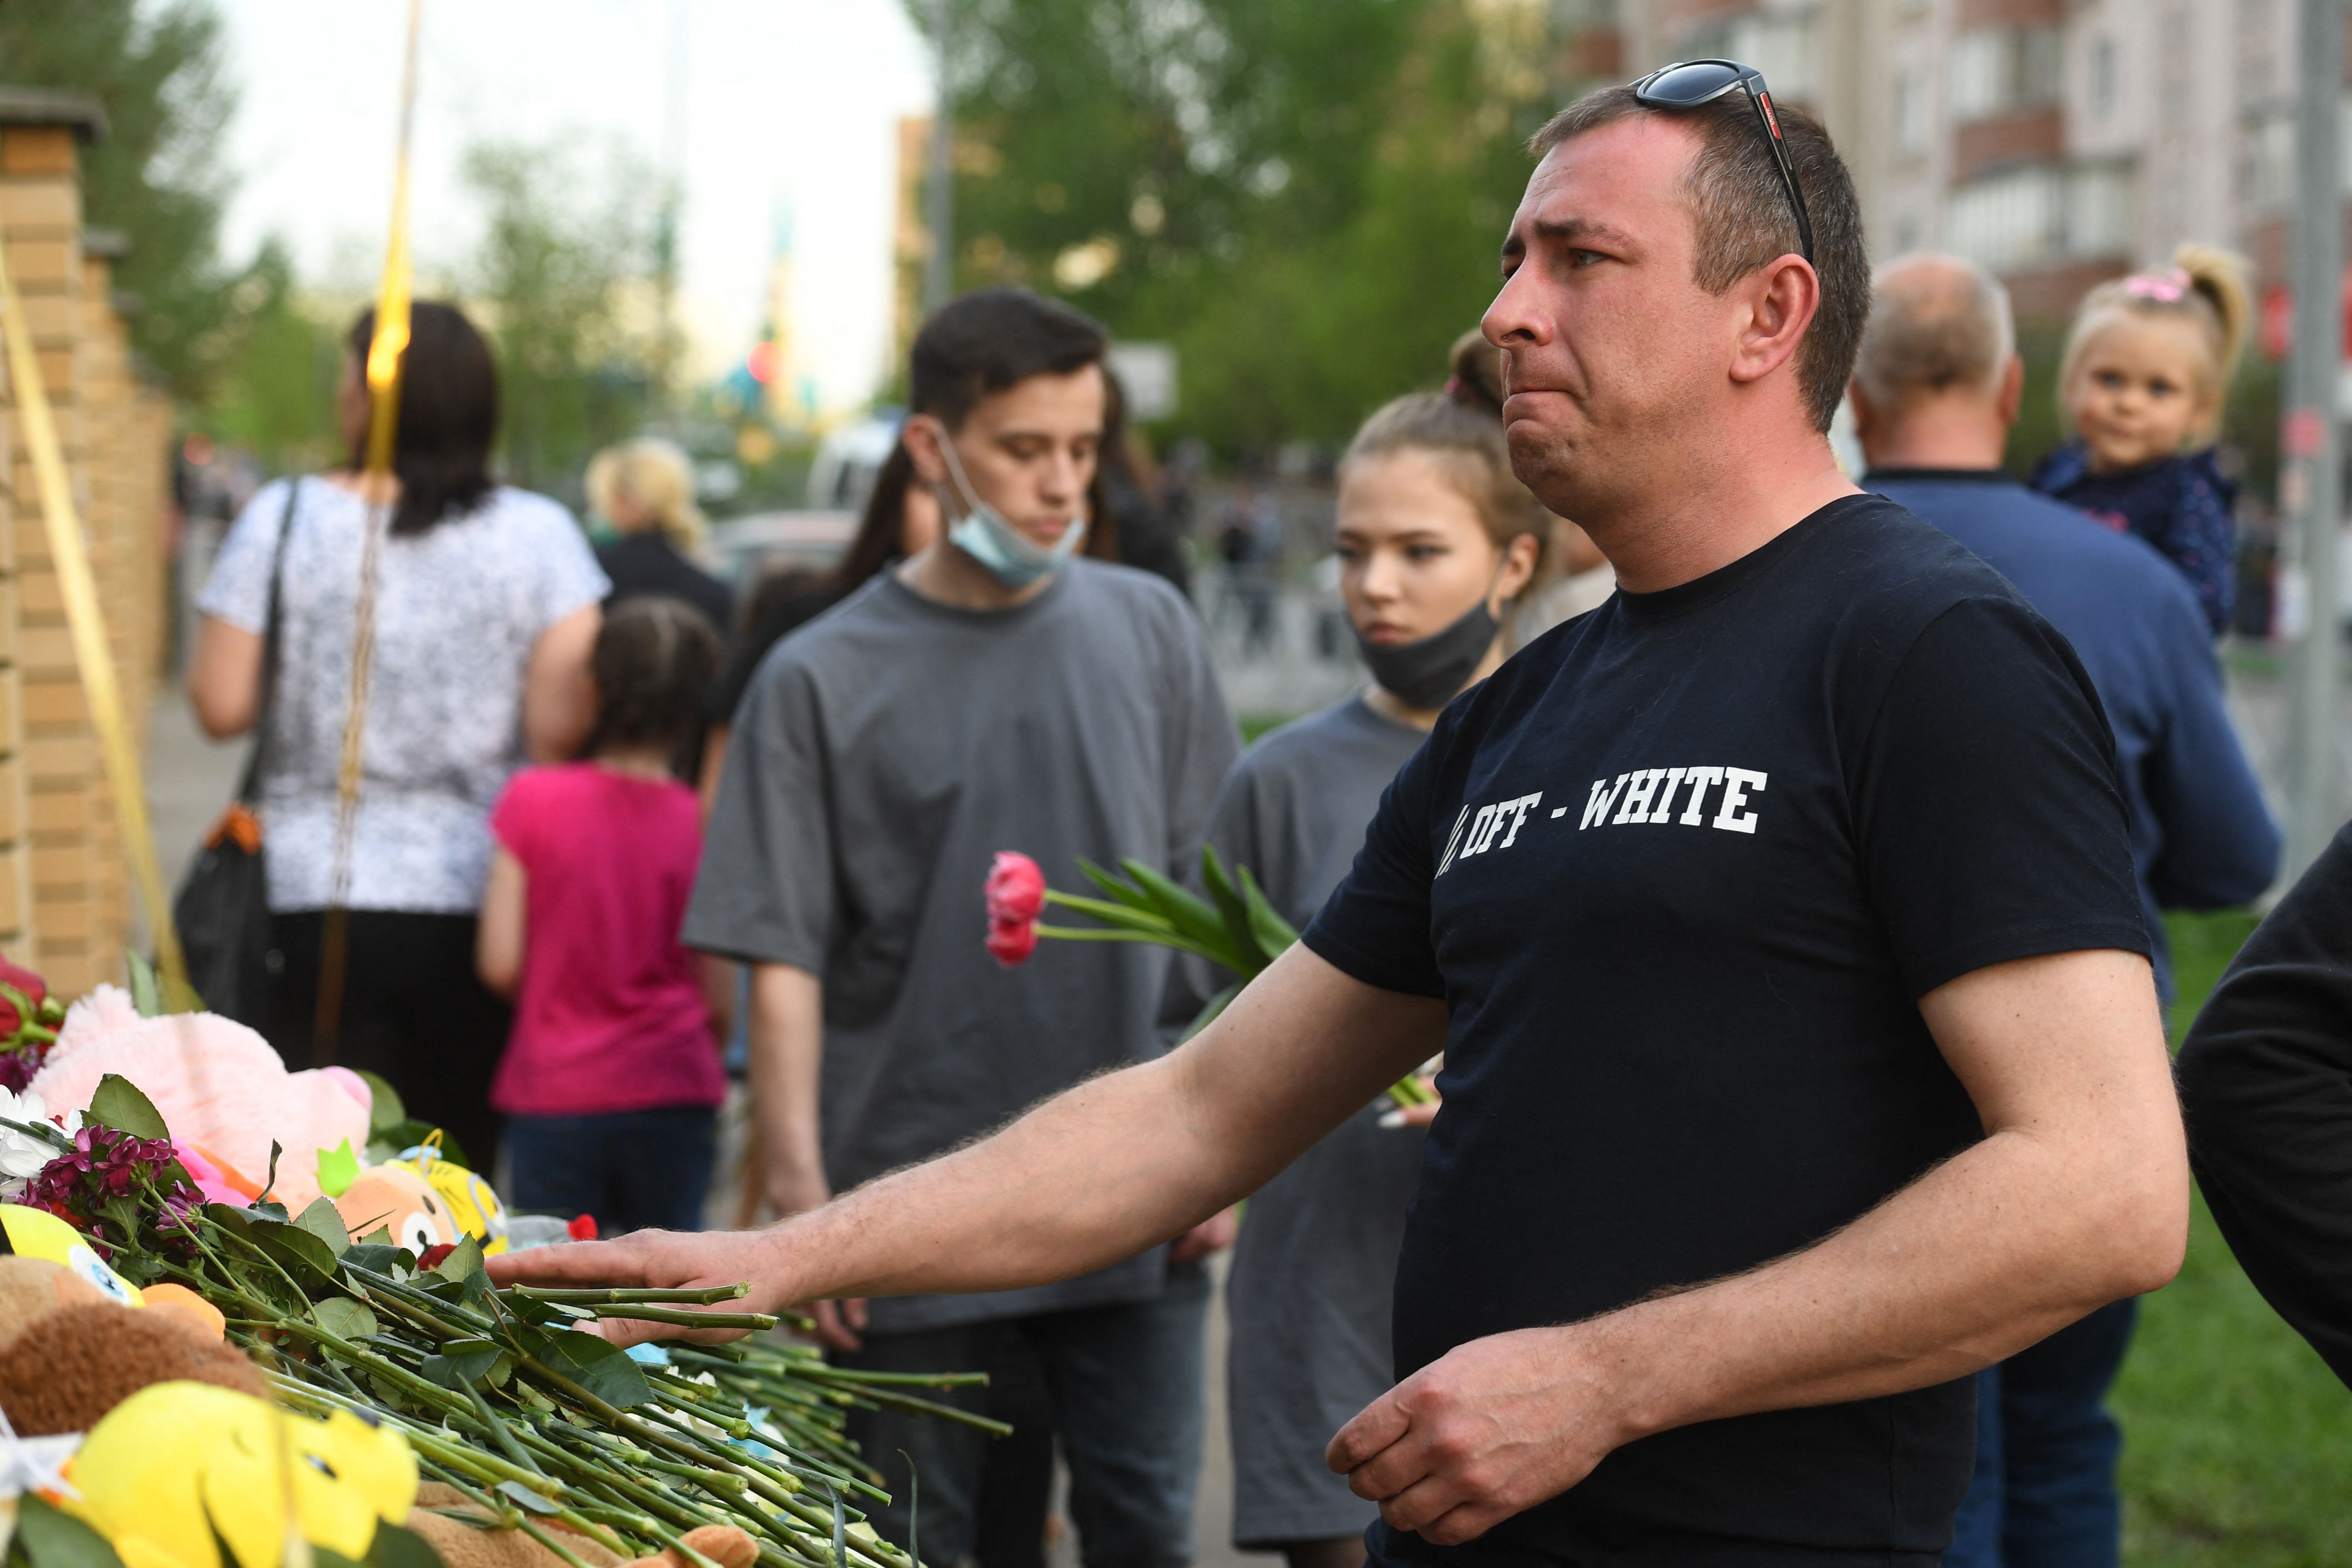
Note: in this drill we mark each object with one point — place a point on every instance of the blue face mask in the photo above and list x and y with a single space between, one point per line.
1002 551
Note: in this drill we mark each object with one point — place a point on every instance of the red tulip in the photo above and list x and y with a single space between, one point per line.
1015 888
35 988
1011 941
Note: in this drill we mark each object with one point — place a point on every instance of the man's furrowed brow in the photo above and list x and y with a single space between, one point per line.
1583 231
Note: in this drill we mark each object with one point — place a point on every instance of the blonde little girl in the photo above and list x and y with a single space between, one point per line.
2146 369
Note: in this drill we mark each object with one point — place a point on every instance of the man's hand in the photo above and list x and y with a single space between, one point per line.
664 1260
1495 1426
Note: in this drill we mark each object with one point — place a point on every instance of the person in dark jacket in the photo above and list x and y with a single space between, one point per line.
1935 389
644 490
2266 1078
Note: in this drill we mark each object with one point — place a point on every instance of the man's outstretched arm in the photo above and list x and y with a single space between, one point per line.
2077 1196
1097 1174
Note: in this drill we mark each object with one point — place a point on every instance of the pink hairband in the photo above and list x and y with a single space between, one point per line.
2167 288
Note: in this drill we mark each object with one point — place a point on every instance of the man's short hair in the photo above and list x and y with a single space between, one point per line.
1936 323
990 340
1742 219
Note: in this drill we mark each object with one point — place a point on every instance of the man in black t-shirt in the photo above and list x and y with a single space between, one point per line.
1776 919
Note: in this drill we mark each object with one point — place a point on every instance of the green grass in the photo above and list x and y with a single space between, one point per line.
1256 724
2237 1438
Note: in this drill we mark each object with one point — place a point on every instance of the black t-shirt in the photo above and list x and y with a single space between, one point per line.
2267 1081
647 563
1680 871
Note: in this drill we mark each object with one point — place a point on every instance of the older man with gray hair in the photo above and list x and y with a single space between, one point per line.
1936 389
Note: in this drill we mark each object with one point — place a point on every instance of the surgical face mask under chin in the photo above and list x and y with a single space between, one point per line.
1007 555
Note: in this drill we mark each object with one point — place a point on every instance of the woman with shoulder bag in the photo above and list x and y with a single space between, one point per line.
486 610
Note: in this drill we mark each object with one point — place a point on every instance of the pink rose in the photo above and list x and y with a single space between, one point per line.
1011 941
1015 888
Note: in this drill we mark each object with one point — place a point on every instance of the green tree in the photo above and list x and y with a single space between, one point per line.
1306 196
155 176
563 281
274 392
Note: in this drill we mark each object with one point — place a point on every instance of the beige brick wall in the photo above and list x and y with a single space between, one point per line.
65 900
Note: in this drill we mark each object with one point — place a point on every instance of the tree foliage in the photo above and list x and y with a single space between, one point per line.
563 283
274 390
155 176
1306 196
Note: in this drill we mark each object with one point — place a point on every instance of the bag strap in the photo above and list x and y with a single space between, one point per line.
269 640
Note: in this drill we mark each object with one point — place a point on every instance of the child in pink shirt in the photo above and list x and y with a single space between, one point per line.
612 1074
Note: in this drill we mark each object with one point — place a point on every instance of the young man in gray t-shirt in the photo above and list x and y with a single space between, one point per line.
996 691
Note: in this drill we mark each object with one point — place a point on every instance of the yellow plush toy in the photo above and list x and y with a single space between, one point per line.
472 1204
37 1233
178 1465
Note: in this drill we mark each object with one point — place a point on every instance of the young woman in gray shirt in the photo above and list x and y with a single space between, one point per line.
1435 541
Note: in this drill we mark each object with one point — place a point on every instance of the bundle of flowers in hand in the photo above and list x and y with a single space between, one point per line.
1235 927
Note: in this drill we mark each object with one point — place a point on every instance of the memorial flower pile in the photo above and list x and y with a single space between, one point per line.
497 1393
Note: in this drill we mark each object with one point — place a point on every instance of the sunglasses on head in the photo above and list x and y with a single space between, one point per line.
1690 83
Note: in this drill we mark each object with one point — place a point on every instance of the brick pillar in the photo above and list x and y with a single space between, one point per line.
111 437
50 780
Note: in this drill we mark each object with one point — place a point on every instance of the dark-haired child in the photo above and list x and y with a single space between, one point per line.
612 1074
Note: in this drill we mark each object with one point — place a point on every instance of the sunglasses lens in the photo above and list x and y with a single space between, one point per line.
1687 85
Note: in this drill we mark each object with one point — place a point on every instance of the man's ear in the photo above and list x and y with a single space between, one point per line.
921 439
2011 397
1782 301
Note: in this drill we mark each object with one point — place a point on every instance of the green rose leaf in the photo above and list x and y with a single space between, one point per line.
345 1318
121 1104
462 1362
395 1546
596 1365
322 1221
146 994
380 1256
54 1538
384 1108
303 1254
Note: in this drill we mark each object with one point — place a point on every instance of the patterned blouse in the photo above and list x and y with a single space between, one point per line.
2180 504
457 612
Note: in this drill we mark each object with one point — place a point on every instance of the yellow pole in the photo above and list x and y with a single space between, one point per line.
87 627
385 351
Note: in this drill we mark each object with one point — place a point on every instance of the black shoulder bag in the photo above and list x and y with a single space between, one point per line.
222 908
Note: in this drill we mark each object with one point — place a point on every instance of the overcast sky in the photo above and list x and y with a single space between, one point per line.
788 111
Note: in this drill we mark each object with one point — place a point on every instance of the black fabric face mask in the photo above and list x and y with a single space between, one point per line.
1428 673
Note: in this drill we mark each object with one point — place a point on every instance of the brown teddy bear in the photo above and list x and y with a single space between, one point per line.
464 1545
69 1355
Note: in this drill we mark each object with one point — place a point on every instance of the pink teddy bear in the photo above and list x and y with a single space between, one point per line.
222 1091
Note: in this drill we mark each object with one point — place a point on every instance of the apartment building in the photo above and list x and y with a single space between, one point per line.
2058 141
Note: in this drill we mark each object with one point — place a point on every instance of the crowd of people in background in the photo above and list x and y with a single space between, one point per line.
626 830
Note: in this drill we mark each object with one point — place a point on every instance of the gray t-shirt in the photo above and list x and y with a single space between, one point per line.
881 757
1313 1273
458 609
